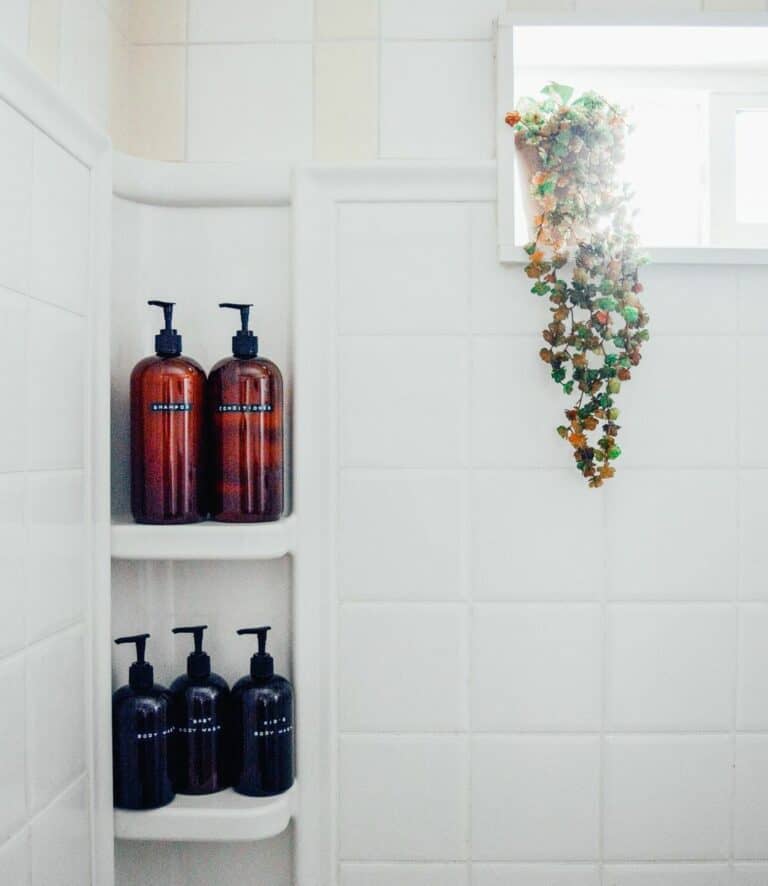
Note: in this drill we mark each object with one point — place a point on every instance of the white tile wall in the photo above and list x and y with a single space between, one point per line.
250 102
383 688
420 514
536 668
667 797
518 783
607 673
248 22
436 99
44 221
403 798
408 874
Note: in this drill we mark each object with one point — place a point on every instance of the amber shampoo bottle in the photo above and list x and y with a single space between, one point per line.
245 403
167 412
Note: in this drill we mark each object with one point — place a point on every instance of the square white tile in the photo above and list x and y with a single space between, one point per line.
516 517
670 667
437 100
535 798
752 284
13 755
501 300
250 103
55 551
244 21
535 875
14 859
403 268
536 667
85 45
404 874
16 137
60 240
403 401
750 802
402 668
753 424
346 19
667 875
673 535
751 709
382 777
14 25
667 797
52 765
662 422
516 407
13 371
678 307
753 527
60 840
419 514
56 349
439 20
750 874
13 589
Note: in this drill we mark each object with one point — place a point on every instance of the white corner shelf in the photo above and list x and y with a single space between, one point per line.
203 541
223 817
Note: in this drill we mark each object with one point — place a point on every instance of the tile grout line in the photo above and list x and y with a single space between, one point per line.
605 514
466 532
188 4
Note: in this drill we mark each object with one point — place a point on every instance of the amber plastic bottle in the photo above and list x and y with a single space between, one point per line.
167 413
245 403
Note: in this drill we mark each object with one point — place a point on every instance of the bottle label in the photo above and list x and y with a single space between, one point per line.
170 407
276 726
245 407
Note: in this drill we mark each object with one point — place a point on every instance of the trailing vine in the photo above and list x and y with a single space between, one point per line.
585 257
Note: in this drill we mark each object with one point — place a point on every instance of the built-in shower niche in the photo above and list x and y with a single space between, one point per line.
169 244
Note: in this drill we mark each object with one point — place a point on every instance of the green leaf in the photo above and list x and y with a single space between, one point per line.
564 93
540 288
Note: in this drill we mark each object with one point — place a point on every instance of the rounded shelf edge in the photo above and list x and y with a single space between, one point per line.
203 541
222 817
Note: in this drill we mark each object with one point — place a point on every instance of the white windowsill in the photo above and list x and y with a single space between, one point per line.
664 255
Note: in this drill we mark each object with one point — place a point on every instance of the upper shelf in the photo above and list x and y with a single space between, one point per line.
226 816
203 541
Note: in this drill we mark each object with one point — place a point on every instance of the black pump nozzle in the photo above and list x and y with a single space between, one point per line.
168 340
244 343
262 663
198 662
141 675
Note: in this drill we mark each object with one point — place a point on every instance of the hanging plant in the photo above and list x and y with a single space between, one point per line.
584 256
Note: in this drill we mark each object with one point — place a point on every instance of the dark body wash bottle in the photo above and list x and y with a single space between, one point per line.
245 403
141 732
262 727
200 711
167 413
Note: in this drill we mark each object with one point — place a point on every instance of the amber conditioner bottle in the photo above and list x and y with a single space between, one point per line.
167 411
245 403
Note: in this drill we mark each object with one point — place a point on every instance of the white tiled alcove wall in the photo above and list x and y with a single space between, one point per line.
513 705
52 182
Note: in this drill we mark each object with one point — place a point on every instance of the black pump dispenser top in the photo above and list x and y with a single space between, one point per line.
141 675
244 343
198 662
168 340
262 663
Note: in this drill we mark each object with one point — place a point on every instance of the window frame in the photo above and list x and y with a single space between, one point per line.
748 237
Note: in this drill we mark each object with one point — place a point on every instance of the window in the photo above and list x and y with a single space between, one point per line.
698 100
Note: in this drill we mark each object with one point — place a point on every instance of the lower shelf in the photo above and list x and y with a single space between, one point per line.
223 817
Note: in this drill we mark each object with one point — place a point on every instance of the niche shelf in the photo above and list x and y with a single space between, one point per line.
203 541
223 817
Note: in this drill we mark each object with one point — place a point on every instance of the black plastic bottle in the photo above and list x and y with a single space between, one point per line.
262 727
200 712
141 733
